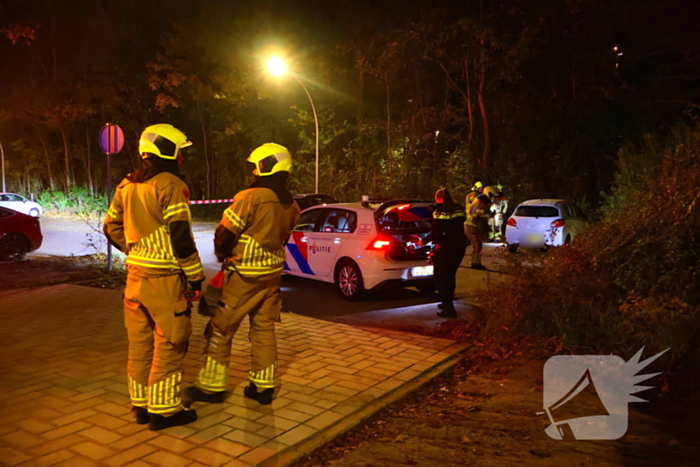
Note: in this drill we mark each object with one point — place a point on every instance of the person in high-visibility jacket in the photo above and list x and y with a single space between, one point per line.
498 209
149 220
477 189
477 219
250 241
450 244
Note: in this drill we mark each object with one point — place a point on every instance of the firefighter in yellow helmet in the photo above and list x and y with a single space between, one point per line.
477 218
250 242
149 220
477 189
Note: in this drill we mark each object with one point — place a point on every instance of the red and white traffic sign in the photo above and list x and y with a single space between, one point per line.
111 139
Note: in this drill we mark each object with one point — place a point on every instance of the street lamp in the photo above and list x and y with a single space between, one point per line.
277 67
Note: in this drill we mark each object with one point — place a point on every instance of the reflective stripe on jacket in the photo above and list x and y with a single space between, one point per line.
151 223
446 227
477 212
261 227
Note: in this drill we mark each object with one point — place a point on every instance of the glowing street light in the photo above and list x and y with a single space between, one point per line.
277 67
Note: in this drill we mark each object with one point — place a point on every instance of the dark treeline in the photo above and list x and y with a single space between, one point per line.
538 95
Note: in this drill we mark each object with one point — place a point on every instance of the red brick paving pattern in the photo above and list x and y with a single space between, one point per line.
65 401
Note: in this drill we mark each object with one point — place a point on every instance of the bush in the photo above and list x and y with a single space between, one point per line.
633 279
77 201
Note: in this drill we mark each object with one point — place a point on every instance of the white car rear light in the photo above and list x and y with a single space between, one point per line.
557 223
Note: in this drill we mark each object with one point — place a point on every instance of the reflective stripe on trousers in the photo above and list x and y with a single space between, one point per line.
164 396
138 393
264 378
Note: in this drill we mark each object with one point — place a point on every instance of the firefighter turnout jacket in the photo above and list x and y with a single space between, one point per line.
478 211
253 232
150 222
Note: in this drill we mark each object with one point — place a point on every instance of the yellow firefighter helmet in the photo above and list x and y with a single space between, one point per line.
270 158
491 191
162 140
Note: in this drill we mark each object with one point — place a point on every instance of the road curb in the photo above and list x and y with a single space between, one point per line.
307 446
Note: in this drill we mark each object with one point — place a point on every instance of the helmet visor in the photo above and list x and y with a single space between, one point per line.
250 167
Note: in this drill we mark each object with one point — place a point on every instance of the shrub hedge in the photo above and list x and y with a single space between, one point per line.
633 278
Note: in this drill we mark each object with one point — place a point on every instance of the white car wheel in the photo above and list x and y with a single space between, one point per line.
34 212
348 279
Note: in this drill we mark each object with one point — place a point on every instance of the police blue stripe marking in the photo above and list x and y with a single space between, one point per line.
296 254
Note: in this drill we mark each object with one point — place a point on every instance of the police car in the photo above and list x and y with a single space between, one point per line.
362 246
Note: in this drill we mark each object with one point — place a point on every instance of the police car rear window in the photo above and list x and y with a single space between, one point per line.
392 223
536 211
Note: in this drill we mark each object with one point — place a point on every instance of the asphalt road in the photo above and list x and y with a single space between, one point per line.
388 308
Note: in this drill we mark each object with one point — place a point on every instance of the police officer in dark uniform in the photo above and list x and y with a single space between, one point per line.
450 244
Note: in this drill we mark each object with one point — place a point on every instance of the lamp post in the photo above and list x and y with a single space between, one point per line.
277 67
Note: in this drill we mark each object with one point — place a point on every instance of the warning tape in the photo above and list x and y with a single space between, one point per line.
211 201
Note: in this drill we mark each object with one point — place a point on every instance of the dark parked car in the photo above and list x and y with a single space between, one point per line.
306 201
19 234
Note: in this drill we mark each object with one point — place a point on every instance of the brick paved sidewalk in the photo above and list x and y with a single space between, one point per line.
65 401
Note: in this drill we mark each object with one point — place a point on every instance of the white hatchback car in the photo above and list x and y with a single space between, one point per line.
541 223
20 204
362 246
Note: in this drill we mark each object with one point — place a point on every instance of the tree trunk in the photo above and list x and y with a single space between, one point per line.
66 156
573 80
484 116
388 127
470 107
48 164
206 152
135 159
360 102
88 162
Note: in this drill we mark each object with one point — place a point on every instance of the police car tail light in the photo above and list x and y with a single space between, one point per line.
557 223
512 222
379 244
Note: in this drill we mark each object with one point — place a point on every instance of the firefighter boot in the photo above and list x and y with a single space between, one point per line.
264 397
160 422
476 261
195 394
140 415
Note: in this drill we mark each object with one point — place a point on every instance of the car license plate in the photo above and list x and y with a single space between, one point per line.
422 271
534 238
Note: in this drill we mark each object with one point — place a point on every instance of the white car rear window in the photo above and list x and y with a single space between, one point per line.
536 211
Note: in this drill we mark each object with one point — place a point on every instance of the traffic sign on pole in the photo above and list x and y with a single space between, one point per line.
111 142
111 139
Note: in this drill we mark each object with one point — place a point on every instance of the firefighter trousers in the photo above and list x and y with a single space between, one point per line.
446 263
259 299
474 235
158 323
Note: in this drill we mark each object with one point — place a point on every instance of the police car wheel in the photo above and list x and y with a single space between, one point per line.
348 279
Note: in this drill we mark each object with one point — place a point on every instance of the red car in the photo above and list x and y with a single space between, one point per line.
19 234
